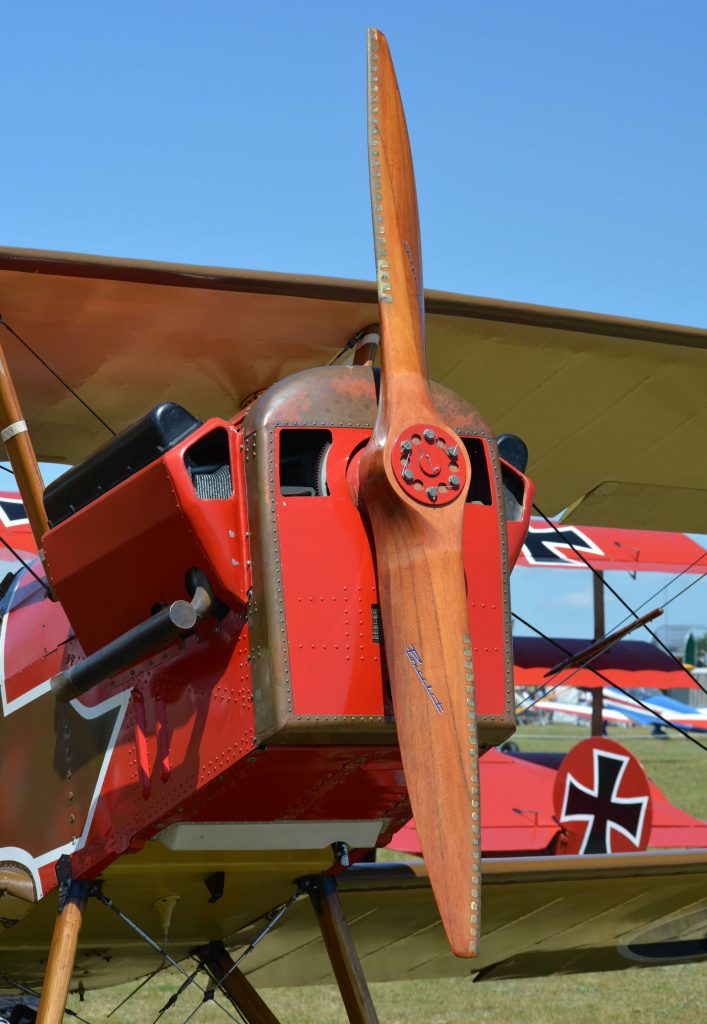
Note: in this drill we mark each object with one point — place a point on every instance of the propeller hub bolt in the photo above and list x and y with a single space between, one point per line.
426 465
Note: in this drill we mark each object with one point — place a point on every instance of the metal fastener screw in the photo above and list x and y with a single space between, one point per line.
454 480
429 435
452 451
408 476
431 493
406 446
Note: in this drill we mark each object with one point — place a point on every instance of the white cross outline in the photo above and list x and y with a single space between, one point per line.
635 838
564 561
119 701
4 517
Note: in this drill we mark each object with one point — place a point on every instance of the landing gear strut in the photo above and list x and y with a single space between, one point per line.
234 984
342 952
62 953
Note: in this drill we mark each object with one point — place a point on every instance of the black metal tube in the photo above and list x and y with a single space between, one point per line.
139 642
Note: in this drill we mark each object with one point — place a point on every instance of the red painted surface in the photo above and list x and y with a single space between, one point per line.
163 739
35 631
617 814
672 828
607 548
330 587
130 550
519 817
186 746
14 531
426 465
517 813
179 727
628 664
143 767
486 607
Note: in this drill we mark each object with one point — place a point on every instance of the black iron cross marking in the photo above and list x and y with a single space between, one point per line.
601 807
547 545
12 512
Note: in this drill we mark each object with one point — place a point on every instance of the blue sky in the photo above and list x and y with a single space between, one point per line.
559 147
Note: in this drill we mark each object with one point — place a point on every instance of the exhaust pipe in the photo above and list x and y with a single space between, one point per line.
139 642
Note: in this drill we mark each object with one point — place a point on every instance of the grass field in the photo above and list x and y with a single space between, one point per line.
664 994
661 994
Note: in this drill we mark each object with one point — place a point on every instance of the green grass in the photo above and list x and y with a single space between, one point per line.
675 995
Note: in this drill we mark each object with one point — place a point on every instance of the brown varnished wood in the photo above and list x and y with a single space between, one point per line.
230 979
92 319
21 454
419 546
62 954
396 239
342 954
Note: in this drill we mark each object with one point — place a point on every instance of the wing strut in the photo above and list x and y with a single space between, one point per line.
20 452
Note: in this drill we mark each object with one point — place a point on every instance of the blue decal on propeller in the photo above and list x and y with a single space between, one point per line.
416 662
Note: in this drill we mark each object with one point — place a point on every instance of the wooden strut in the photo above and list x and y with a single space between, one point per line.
234 984
62 953
14 434
599 631
342 952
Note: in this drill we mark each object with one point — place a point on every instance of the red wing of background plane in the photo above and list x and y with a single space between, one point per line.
628 664
556 546
522 814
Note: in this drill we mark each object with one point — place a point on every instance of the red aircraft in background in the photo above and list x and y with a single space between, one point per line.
525 812
556 545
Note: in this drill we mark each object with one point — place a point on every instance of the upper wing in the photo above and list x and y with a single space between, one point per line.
611 409
542 915
558 546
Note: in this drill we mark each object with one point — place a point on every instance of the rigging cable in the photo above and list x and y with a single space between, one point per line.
108 902
619 598
5 324
565 679
36 995
26 565
273 916
137 988
615 686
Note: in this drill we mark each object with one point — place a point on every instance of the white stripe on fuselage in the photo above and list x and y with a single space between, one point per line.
118 701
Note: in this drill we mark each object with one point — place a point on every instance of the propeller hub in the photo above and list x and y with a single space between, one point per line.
427 464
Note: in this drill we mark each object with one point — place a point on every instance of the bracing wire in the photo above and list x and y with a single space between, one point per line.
620 599
26 565
107 902
45 364
608 682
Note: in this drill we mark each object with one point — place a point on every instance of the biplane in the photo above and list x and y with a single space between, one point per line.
269 617
611 669
620 708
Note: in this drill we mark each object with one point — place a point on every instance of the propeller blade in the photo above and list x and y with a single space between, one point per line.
414 476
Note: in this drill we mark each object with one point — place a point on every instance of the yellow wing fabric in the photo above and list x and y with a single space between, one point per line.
612 409
541 916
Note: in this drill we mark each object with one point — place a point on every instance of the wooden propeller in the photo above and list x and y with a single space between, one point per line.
414 476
